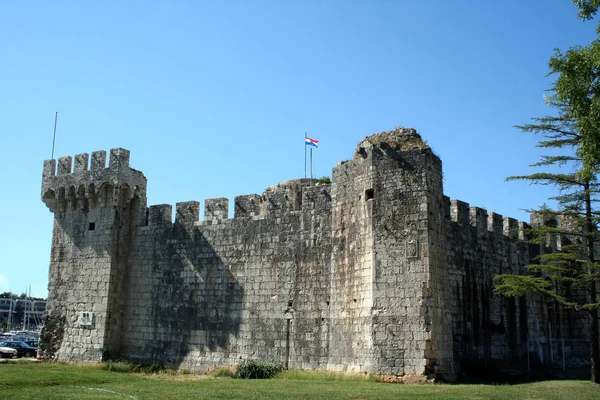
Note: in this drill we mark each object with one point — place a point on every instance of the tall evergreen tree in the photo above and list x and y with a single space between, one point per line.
573 137
569 275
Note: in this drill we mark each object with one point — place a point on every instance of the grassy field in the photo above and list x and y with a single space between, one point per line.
57 381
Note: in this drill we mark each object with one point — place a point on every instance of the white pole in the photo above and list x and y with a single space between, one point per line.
305 155
311 163
10 314
54 136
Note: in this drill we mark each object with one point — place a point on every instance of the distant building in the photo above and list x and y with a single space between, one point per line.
22 313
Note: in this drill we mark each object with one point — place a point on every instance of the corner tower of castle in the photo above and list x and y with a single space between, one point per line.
386 256
97 211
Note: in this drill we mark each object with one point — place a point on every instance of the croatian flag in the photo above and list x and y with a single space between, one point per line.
311 142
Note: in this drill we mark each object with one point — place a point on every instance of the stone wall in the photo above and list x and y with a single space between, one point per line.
486 325
377 272
219 291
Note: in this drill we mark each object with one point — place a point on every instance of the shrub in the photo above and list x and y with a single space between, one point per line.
128 367
151 367
222 373
118 366
324 180
257 370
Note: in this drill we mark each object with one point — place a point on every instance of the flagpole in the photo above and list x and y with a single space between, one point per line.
54 137
304 155
311 163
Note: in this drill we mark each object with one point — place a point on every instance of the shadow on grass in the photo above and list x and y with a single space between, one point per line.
490 372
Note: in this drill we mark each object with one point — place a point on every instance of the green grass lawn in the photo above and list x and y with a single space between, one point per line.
59 381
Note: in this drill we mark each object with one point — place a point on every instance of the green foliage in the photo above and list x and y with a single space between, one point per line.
324 180
257 370
128 367
151 367
117 366
573 172
22 296
572 165
576 94
172 372
400 138
222 373
587 9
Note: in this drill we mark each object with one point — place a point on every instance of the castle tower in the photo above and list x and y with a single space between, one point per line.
387 258
96 213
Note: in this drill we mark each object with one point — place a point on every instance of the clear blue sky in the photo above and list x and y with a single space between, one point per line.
213 97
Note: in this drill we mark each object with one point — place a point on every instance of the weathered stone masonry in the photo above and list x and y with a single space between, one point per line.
377 272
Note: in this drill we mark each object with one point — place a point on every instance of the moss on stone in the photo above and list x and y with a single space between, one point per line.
400 139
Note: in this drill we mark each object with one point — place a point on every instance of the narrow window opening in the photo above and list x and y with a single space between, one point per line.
369 194
92 226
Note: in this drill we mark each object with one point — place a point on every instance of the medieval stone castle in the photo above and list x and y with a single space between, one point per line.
377 272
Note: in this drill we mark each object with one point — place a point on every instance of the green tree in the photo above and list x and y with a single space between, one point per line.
570 274
587 8
576 94
573 138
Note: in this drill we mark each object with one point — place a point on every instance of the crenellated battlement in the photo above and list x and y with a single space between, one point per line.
249 205
86 180
187 212
483 222
74 183
160 214
276 201
119 158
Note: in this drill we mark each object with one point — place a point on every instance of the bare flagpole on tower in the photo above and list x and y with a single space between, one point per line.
54 137
313 143
305 155
311 163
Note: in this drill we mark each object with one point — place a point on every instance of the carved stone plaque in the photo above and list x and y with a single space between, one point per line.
412 249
